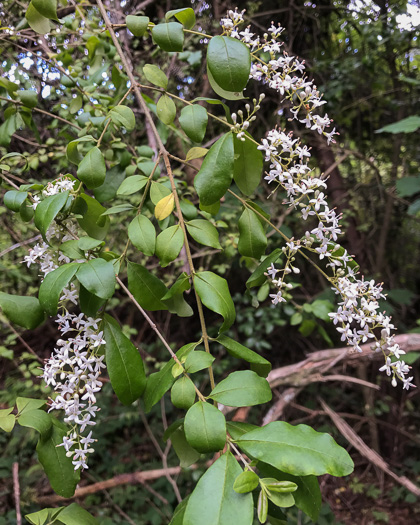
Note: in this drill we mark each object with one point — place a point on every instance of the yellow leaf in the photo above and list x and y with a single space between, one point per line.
196 153
164 207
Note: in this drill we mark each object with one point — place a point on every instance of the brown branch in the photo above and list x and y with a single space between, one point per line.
16 492
122 479
372 456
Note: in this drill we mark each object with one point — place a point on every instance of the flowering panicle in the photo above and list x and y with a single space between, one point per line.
75 365
358 319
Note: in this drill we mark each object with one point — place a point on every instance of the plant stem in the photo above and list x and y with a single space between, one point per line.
164 153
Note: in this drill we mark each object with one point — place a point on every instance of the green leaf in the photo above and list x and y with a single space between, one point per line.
123 116
247 166
76 104
169 244
160 382
185 15
196 153
258 364
155 76
147 289
186 454
88 243
229 61
158 190
408 186
72 153
7 420
132 185
197 361
169 37
406 125
178 517
71 249
40 24
166 109
241 389
258 277
214 293
414 207
137 24
142 234
23 311
181 285
24 404
114 178
281 500
28 97
75 515
58 467
193 120
47 8
92 169
214 502
237 428
36 419
297 450
262 507
252 238
14 199
48 209
228 95
89 303
246 482
215 175
119 208
44 516
183 393
307 495
98 277
204 232
205 427
53 284
124 364
92 222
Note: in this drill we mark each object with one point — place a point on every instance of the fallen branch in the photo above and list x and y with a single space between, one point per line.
372 456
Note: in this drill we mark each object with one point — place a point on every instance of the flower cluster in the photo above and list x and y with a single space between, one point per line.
74 368
358 316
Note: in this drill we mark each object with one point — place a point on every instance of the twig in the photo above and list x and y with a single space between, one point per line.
19 244
16 492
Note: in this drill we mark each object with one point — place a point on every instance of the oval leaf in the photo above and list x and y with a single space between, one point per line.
98 277
142 234
36 419
39 23
147 289
214 293
258 364
184 15
92 169
155 76
164 207
205 427
14 199
247 166
214 502
298 450
215 175
124 364
241 389
183 393
123 116
204 232
197 361
48 209
58 467
252 238
137 24
193 120
23 311
166 109
47 8
229 61
169 244
169 37
246 482
53 284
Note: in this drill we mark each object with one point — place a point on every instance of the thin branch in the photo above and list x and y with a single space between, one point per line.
16 492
